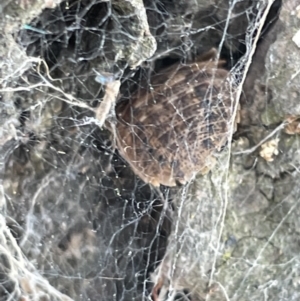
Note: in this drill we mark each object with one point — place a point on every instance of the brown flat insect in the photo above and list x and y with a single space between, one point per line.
169 132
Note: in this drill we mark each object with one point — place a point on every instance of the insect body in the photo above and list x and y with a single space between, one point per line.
169 132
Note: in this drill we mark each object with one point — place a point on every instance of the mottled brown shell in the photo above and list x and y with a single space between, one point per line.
169 132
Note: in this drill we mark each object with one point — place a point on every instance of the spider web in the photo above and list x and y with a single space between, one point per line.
76 223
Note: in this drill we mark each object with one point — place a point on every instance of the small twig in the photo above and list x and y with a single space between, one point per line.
107 104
